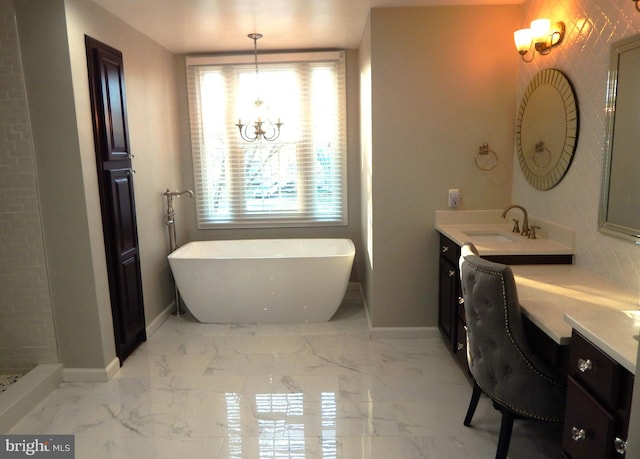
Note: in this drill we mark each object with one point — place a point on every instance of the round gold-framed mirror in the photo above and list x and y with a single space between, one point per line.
547 129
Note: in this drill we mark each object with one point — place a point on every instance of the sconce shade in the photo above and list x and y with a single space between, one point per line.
522 39
540 30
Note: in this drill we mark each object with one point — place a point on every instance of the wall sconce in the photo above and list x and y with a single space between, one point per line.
542 34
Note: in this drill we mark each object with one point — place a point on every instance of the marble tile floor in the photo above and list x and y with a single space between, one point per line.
322 390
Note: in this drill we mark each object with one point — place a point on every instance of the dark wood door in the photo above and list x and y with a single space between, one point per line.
117 200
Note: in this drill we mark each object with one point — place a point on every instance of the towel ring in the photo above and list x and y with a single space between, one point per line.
541 152
486 159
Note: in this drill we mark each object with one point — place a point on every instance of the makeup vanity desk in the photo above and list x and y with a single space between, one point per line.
595 325
561 298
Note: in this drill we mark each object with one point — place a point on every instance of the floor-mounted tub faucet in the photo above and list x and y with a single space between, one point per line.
525 223
170 211
171 226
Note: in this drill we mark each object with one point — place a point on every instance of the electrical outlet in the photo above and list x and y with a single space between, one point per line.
454 197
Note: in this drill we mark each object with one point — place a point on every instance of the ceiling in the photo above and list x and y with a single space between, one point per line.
191 26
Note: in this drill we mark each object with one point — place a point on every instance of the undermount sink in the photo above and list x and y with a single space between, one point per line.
487 236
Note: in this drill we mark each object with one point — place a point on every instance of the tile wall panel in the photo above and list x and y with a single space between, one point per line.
26 324
592 25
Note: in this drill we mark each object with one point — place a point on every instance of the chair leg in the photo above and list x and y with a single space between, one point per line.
475 397
506 426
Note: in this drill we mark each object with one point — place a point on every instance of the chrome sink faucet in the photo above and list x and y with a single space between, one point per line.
525 222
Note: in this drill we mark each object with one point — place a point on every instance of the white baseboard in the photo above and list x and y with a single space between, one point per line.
160 318
91 374
397 332
105 374
366 306
113 368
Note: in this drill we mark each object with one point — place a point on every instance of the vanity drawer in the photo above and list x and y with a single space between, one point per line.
594 370
588 426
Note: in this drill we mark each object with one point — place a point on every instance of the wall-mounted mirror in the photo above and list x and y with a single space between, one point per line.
620 202
547 129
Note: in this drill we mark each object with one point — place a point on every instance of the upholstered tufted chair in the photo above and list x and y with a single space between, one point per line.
500 360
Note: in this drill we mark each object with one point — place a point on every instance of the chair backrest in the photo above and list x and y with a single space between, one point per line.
499 356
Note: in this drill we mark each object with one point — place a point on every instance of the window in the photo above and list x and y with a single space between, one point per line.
297 180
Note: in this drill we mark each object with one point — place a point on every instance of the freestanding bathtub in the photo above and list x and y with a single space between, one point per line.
263 280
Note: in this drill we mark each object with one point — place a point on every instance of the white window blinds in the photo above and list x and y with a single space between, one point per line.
299 179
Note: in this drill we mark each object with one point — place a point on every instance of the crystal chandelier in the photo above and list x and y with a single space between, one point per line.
260 129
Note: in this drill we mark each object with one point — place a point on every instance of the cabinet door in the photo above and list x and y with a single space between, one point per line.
128 316
588 426
448 299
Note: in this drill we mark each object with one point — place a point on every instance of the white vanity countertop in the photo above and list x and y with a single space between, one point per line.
559 297
493 235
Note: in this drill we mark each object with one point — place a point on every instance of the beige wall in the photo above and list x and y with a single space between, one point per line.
443 81
52 43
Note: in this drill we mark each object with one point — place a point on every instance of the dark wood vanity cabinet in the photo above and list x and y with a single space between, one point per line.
451 318
598 403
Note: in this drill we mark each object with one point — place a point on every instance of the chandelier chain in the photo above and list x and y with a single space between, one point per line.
259 125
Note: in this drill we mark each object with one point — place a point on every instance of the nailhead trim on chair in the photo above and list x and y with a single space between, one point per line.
524 413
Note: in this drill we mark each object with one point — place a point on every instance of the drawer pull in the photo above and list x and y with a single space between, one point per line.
460 346
460 300
445 249
578 434
452 273
620 445
584 365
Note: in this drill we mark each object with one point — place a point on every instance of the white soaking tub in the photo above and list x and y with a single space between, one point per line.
263 280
